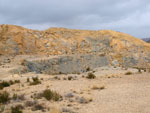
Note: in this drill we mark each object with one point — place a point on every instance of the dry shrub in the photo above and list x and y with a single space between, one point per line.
128 73
91 76
35 81
4 97
100 87
51 95
17 109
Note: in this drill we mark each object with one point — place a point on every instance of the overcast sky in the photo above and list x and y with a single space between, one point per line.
129 16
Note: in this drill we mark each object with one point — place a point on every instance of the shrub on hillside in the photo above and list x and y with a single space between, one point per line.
35 81
17 109
51 95
4 84
128 73
4 97
91 76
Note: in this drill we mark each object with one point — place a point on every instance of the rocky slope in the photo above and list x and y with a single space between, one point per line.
146 40
80 48
57 41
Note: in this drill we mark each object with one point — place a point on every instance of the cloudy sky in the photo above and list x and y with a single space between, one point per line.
129 16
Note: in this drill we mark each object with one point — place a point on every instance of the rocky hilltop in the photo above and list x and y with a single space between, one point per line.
77 50
146 40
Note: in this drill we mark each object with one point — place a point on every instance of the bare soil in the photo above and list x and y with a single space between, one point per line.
110 92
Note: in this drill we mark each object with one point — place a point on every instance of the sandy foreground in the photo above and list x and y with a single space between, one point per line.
110 92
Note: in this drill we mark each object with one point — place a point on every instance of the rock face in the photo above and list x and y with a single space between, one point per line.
146 40
67 64
77 49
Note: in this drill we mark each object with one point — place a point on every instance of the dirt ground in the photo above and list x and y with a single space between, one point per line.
110 92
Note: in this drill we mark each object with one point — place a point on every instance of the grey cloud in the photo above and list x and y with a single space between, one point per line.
127 16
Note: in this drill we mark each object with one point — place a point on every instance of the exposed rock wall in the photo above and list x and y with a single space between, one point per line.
75 64
67 64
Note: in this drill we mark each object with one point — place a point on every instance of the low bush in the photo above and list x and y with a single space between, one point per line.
2 108
17 81
70 77
28 79
4 84
11 82
18 97
30 103
4 97
139 70
15 96
36 81
91 76
38 107
17 109
51 95
128 73
96 87
87 69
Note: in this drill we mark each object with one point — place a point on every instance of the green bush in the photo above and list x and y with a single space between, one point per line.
36 81
51 95
91 76
15 96
70 78
17 81
17 109
87 69
28 79
30 103
4 97
11 82
139 70
128 73
4 84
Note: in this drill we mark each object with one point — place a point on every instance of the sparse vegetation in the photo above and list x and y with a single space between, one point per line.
87 69
101 87
51 95
17 109
2 108
18 97
128 73
11 82
17 81
139 70
91 76
35 81
4 84
148 70
28 79
84 100
30 103
15 96
38 106
4 97
57 77
70 77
